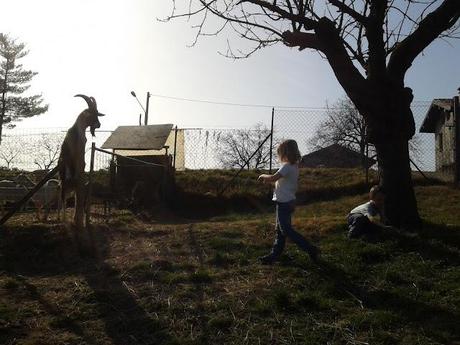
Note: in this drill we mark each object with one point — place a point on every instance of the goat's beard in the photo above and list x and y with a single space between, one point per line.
92 130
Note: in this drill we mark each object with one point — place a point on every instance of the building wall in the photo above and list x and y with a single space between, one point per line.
445 144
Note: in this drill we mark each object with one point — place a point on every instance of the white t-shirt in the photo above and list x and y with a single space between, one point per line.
368 209
286 186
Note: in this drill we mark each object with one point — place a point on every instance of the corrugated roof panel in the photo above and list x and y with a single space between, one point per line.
152 137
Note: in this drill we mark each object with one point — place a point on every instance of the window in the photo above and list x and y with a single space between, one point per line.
440 143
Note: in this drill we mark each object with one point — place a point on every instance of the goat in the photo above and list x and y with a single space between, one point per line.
72 158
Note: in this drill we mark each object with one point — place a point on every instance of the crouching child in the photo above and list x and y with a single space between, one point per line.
367 219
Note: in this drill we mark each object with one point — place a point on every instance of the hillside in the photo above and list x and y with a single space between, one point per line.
132 281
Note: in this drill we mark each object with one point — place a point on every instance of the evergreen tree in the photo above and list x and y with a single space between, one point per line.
14 82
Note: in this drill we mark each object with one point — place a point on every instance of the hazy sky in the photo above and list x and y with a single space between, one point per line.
106 48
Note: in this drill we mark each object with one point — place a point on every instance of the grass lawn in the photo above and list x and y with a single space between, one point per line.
128 281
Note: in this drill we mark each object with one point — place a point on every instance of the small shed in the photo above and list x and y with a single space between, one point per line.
335 156
143 170
442 119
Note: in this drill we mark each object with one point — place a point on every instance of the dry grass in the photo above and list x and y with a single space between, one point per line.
129 281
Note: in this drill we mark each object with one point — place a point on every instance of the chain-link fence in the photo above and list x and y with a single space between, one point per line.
30 149
223 148
320 128
317 132
313 129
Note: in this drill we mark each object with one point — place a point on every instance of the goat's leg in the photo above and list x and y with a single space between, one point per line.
79 206
38 208
61 205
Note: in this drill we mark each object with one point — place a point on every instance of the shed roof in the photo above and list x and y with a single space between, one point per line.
151 137
437 107
335 156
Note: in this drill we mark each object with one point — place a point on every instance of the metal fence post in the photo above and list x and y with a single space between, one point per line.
175 148
90 185
271 140
457 140
366 158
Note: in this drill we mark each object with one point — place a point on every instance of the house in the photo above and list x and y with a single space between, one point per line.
442 119
335 156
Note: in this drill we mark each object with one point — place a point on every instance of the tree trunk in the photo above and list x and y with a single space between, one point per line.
390 127
396 180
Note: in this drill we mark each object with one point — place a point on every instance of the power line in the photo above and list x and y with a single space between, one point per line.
230 103
251 105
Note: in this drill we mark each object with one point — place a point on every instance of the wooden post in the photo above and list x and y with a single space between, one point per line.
271 140
90 186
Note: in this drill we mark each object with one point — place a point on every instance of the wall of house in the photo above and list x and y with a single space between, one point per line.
445 144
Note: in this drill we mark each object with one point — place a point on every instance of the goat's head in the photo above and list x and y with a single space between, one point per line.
91 115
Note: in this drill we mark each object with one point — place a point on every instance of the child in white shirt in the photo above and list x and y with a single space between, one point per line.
284 196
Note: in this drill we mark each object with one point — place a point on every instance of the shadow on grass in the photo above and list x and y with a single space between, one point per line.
199 279
439 323
434 242
435 321
204 206
47 252
449 235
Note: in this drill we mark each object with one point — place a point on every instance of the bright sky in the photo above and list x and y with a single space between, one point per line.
106 48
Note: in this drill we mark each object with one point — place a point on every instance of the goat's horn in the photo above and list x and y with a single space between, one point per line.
94 102
88 100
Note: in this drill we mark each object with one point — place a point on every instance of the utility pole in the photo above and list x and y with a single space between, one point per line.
146 109
146 117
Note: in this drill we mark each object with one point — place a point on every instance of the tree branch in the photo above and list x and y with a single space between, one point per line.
348 10
308 24
347 74
302 40
433 25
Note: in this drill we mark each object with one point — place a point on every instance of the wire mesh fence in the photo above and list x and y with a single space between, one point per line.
317 128
32 149
32 152
214 148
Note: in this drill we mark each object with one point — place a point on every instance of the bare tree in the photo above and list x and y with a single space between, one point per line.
369 44
344 125
235 148
10 150
47 152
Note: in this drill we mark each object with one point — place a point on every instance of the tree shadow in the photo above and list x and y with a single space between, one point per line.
197 252
433 242
434 320
42 251
449 235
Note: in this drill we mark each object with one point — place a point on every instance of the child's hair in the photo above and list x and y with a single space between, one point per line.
288 150
374 191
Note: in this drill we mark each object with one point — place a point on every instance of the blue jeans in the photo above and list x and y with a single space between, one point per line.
284 229
360 225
